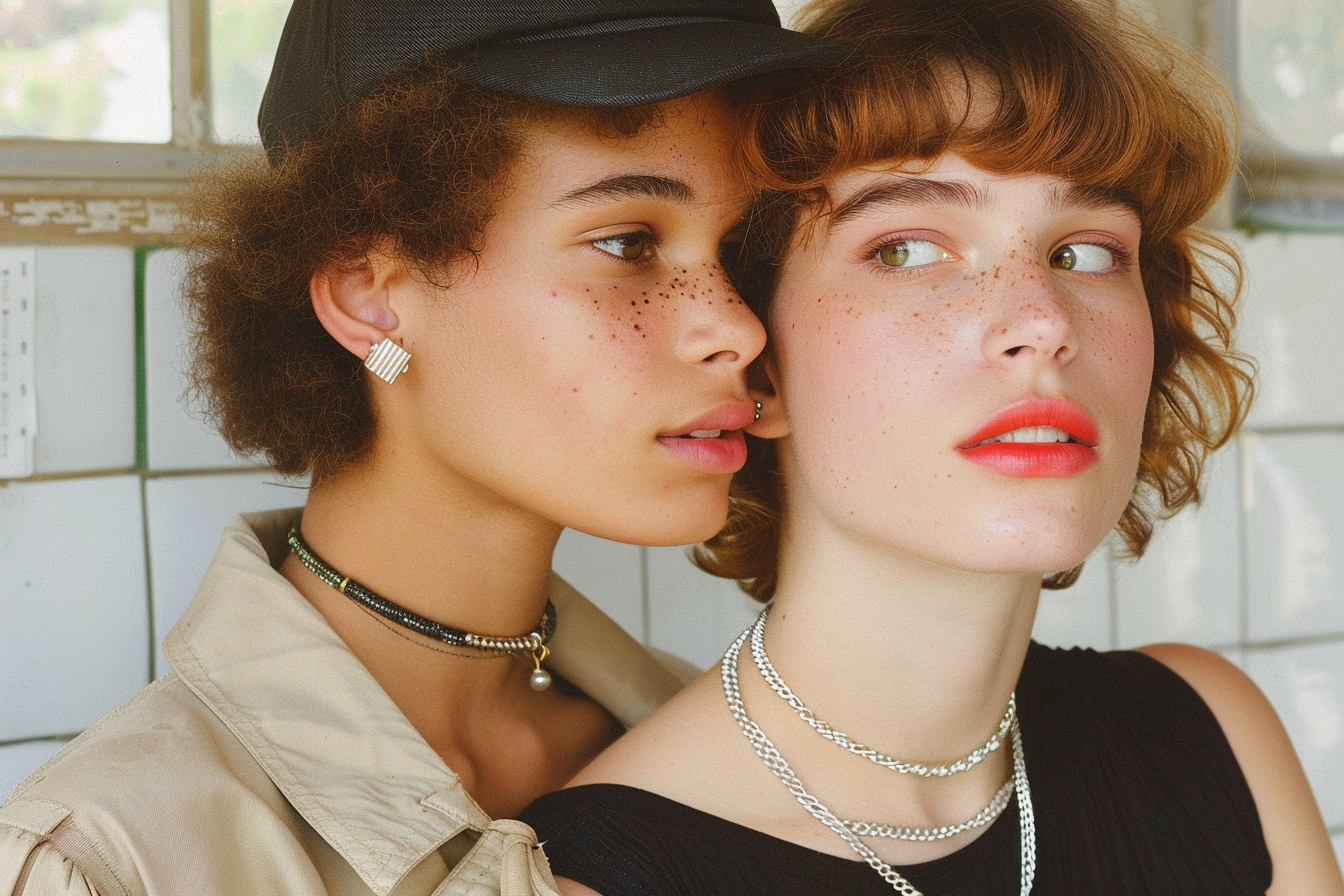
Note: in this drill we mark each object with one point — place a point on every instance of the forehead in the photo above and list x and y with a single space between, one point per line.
951 180
682 151
706 118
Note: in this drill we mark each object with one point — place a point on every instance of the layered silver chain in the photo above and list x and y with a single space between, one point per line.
823 728
770 756
942 832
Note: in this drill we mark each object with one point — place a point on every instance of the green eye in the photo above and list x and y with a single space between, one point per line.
910 253
895 255
1084 257
627 246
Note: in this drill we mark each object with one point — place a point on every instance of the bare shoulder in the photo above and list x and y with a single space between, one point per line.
678 752
681 746
1235 700
1299 846
568 887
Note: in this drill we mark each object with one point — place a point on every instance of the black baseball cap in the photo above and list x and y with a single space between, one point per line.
569 52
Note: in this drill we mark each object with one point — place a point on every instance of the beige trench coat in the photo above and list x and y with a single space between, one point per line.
269 761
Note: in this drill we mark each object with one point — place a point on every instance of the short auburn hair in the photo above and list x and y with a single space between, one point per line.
1063 88
418 166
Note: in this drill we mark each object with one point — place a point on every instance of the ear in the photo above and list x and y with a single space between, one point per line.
353 303
762 386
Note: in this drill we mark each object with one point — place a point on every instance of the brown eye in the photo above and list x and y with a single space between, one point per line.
627 246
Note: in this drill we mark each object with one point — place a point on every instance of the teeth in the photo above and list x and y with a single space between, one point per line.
705 434
1032 434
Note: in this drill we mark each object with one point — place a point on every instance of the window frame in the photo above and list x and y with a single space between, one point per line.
1271 180
60 191
134 193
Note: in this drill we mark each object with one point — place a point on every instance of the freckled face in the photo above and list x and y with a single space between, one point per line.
589 371
964 361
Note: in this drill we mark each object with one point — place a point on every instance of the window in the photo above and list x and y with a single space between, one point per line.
107 107
1288 60
92 71
1284 65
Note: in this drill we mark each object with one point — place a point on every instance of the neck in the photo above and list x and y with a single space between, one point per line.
943 648
445 554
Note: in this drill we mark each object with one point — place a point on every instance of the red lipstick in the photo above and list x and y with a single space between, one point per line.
1046 438
713 442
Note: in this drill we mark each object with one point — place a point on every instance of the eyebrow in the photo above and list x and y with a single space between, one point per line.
629 186
909 191
1090 196
925 191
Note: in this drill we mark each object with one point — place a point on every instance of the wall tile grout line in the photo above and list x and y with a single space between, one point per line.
37 739
1317 640
66 477
646 597
151 661
141 372
1245 470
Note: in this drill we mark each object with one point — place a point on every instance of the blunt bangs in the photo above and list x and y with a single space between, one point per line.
1014 88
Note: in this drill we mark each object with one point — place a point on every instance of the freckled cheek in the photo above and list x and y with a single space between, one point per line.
859 379
1122 342
600 320
656 312
574 359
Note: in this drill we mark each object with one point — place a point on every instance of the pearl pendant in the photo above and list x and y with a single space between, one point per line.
540 680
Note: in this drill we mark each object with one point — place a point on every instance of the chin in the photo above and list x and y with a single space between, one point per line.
1041 551
665 524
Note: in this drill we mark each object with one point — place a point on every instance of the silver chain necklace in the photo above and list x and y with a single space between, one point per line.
770 756
926 835
823 728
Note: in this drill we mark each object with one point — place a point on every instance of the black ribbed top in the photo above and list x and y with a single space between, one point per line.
1135 788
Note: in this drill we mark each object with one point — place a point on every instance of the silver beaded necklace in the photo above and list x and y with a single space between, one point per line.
775 762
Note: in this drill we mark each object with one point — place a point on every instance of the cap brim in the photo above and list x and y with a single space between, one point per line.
646 65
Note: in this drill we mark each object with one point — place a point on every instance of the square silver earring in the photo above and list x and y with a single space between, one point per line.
387 360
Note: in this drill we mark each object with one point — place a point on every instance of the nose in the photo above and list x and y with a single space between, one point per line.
720 329
1034 320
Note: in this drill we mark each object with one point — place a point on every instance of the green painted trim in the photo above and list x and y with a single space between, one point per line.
142 254
1325 215
1253 225
141 400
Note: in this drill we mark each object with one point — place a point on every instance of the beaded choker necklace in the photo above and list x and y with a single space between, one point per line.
531 645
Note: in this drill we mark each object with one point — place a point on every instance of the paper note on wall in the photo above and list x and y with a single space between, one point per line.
18 401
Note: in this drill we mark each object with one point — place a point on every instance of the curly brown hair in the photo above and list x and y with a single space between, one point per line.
415 167
1054 87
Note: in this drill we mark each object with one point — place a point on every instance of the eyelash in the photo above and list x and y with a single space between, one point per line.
650 242
1123 257
873 250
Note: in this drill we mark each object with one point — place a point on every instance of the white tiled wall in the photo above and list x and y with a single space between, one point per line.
75 639
85 359
184 516
1188 587
98 555
176 440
